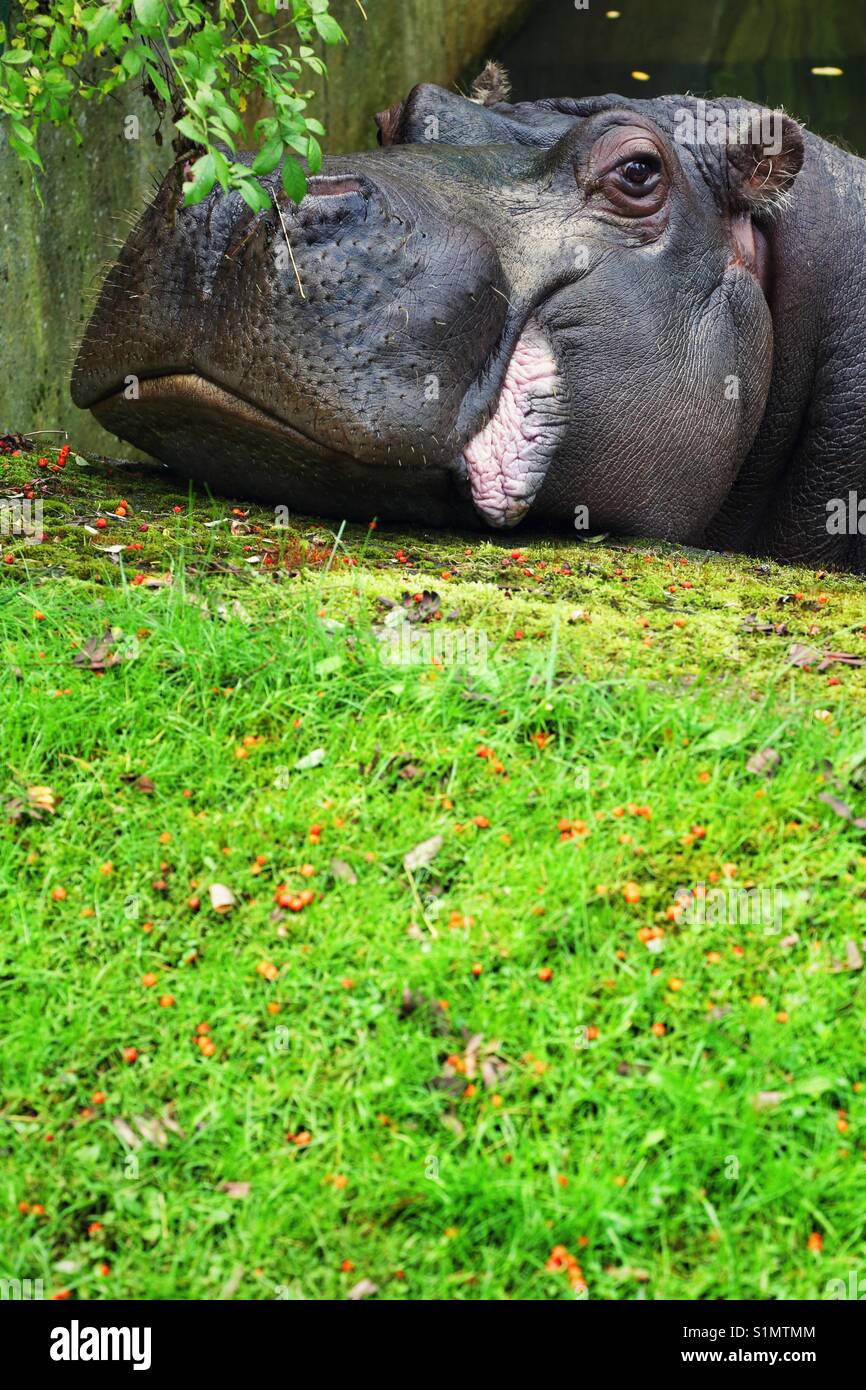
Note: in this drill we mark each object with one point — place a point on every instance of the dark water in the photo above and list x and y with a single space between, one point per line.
762 50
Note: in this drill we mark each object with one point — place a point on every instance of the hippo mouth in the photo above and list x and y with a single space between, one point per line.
190 389
501 468
506 461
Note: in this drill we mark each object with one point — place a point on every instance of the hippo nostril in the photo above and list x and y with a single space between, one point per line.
333 186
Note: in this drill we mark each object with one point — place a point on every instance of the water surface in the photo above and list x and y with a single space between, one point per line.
762 50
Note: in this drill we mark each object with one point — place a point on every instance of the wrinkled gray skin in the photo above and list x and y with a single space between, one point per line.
422 264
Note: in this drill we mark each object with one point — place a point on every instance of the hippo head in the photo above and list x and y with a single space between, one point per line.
542 307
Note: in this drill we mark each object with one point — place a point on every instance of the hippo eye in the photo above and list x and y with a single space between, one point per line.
637 171
641 174
636 185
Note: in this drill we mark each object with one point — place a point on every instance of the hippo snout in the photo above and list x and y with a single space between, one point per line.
313 356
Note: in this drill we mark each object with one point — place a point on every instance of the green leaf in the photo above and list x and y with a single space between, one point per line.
218 130
202 182
102 27
253 194
230 117
815 1086
268 156
655 1136
725 736
191 129
293 179
132 61
18 56
157 79
27 152
60 42
314 155
151 14
329 29
223 170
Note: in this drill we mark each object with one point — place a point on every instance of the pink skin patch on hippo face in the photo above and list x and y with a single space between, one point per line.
507 460
750 248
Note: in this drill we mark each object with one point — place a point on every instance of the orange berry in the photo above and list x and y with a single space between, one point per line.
148 980
166 1001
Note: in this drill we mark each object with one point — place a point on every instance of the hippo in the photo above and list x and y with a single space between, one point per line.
641 317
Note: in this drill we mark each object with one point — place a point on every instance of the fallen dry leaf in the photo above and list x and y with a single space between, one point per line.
842 809
222 899
767 1100
340 869
451 1122
236 1189
423 853
151 1128
764 762
125 1132
98 653
313 759
363 1289
801 655
39 801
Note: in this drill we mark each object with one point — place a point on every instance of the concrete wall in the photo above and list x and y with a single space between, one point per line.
52 256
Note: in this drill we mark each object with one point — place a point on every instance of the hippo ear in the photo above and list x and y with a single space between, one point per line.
491 85
763 164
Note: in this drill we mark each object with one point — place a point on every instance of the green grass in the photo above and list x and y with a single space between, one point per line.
649 1154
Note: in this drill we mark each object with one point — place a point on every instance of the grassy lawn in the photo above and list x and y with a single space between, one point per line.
251 1050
